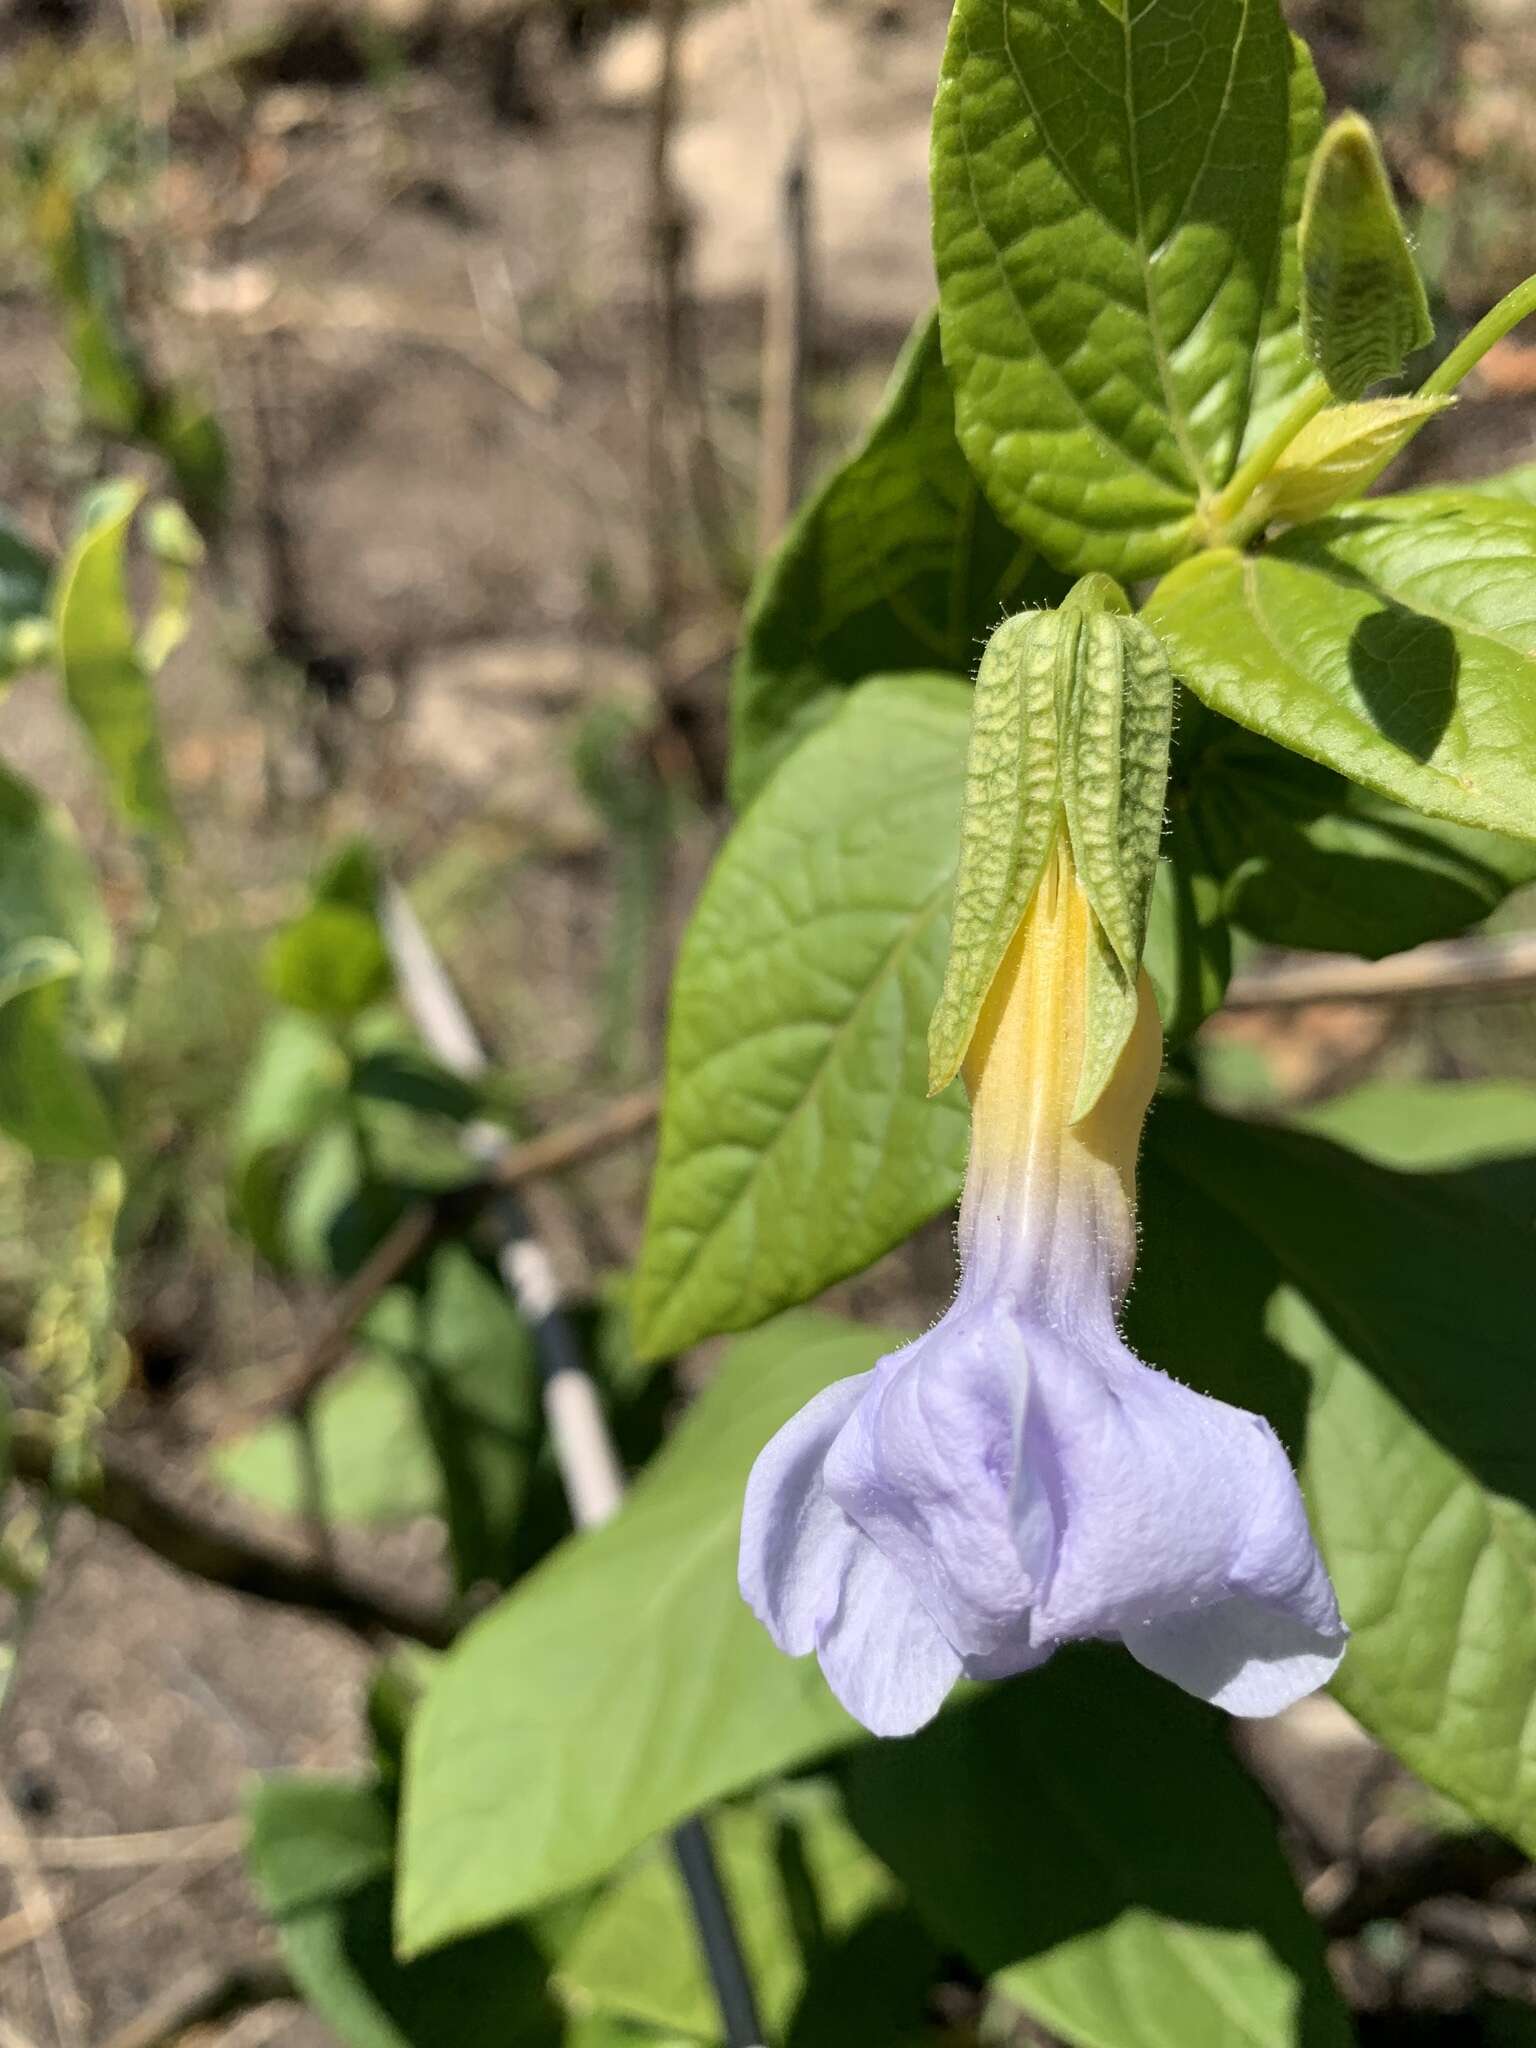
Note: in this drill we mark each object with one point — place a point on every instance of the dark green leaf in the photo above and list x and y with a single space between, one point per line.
25 574
104 677
1381 1320
1395 643
1045 1831
320 1854
797 1142
1115 193
1306 858
520 1717
897 562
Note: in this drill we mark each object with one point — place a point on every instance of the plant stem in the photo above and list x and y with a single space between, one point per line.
1248 475
1470 350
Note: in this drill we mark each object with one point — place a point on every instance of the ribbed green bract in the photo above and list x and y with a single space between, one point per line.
1362 301
1070 730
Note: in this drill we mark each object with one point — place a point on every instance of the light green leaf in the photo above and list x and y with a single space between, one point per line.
47 884
801 1885
1363 306
1301 857
796 1140
1381 1320
1044 1830
104 676
1115 200
1395 643
1337 454
375 1459
296 1084
320 1855
332 960
520 1717
50 1098
1518 485
1484 1129
897 562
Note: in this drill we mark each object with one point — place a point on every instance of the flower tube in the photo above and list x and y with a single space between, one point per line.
1016 1478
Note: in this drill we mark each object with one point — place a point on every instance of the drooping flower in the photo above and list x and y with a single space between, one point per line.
1016 1478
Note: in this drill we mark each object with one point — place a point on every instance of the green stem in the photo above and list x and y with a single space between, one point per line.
1248 475
1470 350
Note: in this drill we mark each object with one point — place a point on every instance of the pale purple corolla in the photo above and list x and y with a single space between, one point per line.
1016 1478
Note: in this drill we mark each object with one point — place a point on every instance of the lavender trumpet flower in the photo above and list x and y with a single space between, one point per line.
1016 1478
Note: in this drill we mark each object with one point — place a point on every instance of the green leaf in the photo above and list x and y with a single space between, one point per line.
1044 1830
1517 485
1381 1320
47 884
897 562
375 1459
320 1855
25 574
801 1885
296 1084
1363 306
1485 1129
332 961
520 1716
50 1098
1301 857
1115 197
105 679
796 1140
1395 643
1336 455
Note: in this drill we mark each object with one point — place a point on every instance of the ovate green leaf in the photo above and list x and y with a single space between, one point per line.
622 1684
1115 196
797 1143
897 562
1044 1831
1395 643
1381 1320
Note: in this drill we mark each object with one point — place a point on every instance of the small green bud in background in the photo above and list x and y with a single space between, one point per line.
1070 731
1362 301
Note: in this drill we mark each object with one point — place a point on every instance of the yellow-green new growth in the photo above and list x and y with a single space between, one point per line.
1363 308
1069 732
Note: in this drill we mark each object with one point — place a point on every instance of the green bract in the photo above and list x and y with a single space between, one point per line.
1069 731
1363 304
